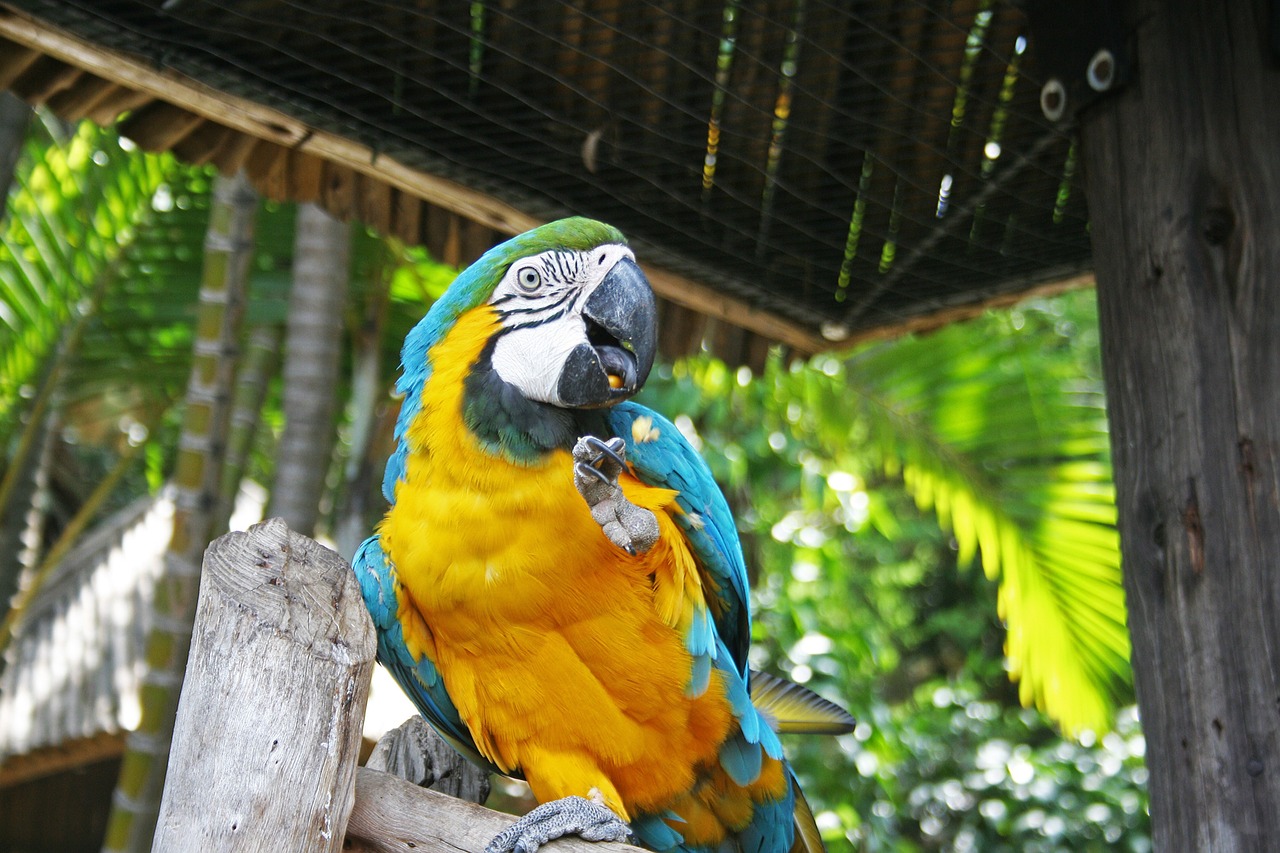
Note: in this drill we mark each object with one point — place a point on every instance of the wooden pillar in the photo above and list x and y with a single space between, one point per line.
269 723
1183 181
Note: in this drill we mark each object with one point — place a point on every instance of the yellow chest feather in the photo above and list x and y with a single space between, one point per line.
553 643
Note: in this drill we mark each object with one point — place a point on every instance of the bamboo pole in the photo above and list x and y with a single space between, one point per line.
228 251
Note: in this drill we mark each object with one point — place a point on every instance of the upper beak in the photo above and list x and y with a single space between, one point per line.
621 318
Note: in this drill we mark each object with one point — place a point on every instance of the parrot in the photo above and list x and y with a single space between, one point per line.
558 583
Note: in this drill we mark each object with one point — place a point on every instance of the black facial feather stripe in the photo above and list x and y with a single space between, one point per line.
560 298
533 323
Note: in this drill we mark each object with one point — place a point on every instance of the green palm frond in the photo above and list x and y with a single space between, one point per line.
78 204
1014 462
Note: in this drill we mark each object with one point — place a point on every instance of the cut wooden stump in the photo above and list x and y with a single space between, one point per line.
414 752
268 729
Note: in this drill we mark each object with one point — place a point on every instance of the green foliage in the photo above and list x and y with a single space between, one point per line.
995 425
1004 435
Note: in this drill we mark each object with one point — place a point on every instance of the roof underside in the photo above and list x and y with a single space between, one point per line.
837 166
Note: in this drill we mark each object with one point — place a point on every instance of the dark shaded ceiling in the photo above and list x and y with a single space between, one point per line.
841 166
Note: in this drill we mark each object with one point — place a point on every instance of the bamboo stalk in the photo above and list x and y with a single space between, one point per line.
228 252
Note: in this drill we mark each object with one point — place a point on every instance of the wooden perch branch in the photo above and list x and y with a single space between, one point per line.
395 816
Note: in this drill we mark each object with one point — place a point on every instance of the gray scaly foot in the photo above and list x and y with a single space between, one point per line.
597 465
569 816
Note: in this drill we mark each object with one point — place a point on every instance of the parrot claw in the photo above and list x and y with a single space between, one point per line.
584 470
614 448
597 465
568 816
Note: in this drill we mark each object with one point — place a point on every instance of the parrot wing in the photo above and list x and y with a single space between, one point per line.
661 457
418 677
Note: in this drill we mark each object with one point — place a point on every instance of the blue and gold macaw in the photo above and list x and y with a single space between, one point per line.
558 584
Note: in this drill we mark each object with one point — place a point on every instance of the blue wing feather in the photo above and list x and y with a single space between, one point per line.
661 457
419 677
666 460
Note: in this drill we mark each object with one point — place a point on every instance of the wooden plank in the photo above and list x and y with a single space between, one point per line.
406 217
337 191
692 294
373 197
268 727
202 144
119 100
1183 183
14 61
395 816
67 756
44 79
76 101
232 156
159 126
937 319
306 176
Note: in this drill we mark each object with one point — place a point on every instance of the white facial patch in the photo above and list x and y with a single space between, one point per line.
541 299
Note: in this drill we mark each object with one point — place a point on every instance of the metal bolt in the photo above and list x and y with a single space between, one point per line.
1053 99
1102 70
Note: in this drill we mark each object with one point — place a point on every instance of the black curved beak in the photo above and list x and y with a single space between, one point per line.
622 333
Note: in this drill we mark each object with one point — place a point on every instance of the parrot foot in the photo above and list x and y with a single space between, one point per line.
597 465
568 816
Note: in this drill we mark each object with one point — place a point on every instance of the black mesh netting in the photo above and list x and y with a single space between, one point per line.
841 164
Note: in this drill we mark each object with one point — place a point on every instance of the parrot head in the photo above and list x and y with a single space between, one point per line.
577 317
574 331
577 320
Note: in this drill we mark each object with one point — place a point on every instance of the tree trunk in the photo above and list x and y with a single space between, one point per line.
201 447
361 500
313 344
1183 180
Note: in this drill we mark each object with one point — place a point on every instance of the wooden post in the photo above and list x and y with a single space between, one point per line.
1183 181
269 724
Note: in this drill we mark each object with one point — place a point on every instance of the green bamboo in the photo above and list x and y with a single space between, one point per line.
228 252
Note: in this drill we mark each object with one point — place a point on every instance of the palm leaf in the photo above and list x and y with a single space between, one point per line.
77 206
1009 449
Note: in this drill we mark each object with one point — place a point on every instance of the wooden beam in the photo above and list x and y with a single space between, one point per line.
1183 182
61 758
264 123
925 323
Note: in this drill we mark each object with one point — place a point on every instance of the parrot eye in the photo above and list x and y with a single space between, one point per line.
528 279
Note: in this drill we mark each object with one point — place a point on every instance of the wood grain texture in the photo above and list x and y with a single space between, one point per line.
268 730
1183 181
395 816
413 751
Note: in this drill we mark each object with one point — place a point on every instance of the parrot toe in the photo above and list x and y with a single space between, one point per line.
597 465
568 816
